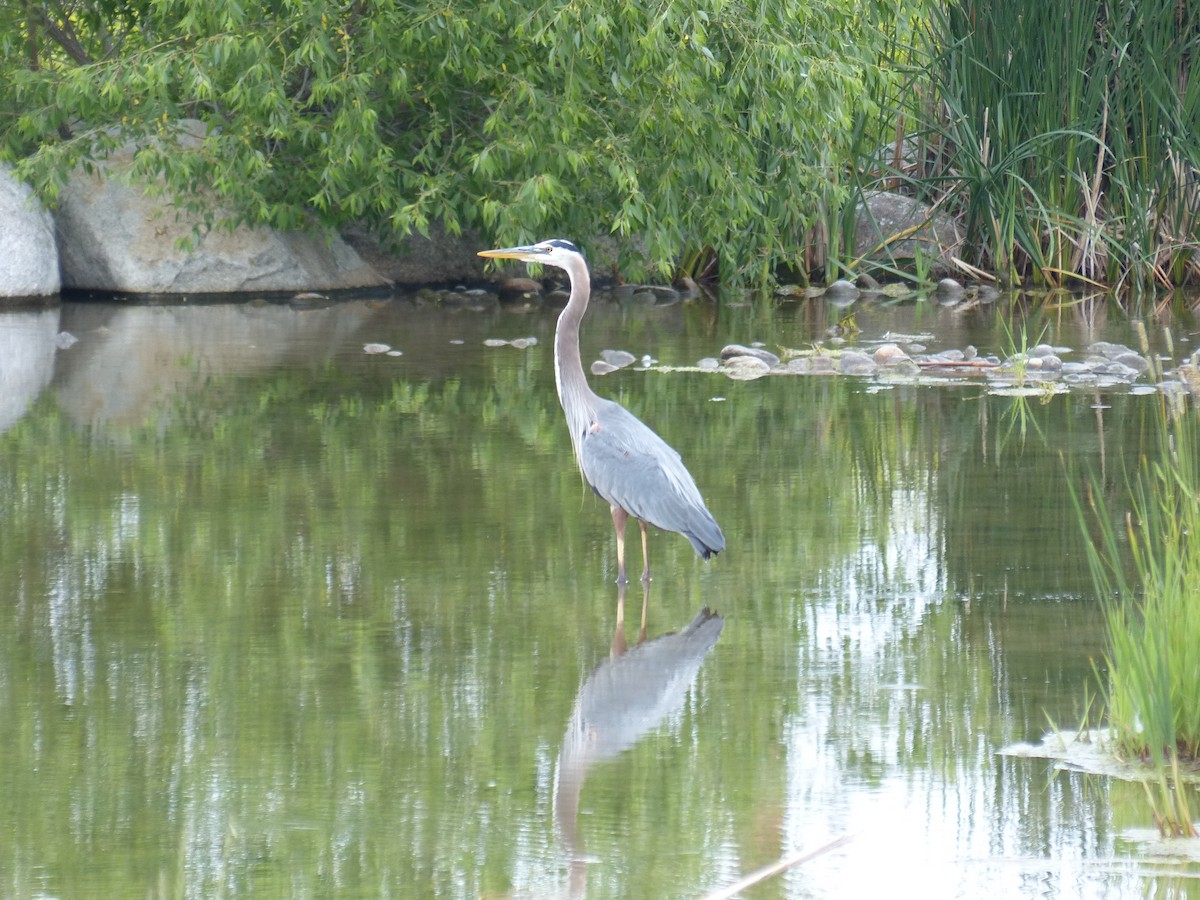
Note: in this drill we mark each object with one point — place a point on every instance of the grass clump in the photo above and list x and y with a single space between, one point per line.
1147 567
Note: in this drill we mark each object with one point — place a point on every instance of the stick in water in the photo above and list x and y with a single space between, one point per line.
783 865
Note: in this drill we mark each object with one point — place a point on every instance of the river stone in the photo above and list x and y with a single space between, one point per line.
890 355
854 362
733 351
28 252
1133 361
618 359
841 291
949 290
115 235
745 368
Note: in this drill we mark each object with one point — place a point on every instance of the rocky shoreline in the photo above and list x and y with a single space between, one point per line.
110 233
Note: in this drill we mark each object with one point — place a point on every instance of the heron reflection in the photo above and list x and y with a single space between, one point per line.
626 697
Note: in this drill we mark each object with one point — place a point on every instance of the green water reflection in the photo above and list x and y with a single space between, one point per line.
283 618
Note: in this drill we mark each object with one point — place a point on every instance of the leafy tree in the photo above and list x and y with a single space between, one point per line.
713 123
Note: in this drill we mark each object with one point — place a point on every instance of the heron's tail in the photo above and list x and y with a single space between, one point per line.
706 536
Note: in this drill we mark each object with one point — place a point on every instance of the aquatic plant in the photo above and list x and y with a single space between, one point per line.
1146 568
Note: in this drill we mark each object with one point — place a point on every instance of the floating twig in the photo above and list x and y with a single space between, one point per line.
775 868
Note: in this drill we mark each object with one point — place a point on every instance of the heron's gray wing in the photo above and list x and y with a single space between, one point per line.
632 467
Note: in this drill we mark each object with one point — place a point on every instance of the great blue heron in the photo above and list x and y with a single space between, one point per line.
625 462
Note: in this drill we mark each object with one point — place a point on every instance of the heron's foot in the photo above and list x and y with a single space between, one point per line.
646 576
621 579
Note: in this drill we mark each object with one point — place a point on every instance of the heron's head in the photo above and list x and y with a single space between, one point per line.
556 252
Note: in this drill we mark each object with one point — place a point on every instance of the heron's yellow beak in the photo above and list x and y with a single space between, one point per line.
528 254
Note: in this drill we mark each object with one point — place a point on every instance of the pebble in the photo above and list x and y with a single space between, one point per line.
376 348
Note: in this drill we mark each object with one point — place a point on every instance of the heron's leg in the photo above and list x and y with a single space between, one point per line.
619 644
645 553
645 608
620 517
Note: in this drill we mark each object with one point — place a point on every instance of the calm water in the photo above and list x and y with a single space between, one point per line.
284 618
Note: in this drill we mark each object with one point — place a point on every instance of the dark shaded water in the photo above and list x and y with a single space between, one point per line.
285 618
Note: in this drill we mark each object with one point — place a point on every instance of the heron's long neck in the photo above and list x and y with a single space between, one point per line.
573 391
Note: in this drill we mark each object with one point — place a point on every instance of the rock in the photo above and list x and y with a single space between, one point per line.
618 359
600 367
417 259
520 286
709 364
746 368
841 292
28 251
1107 350
1133 361
889 355
733 351
948 290
663 294
882 216
853 362
117 236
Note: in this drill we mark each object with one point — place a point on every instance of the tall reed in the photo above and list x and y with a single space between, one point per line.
1067 136
1147 569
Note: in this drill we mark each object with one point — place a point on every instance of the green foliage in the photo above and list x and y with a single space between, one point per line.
686 125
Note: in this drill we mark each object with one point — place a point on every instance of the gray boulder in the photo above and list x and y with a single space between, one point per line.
423 260
28 255
882 224
115 235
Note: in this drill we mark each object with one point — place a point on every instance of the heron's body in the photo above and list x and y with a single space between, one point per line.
623 460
